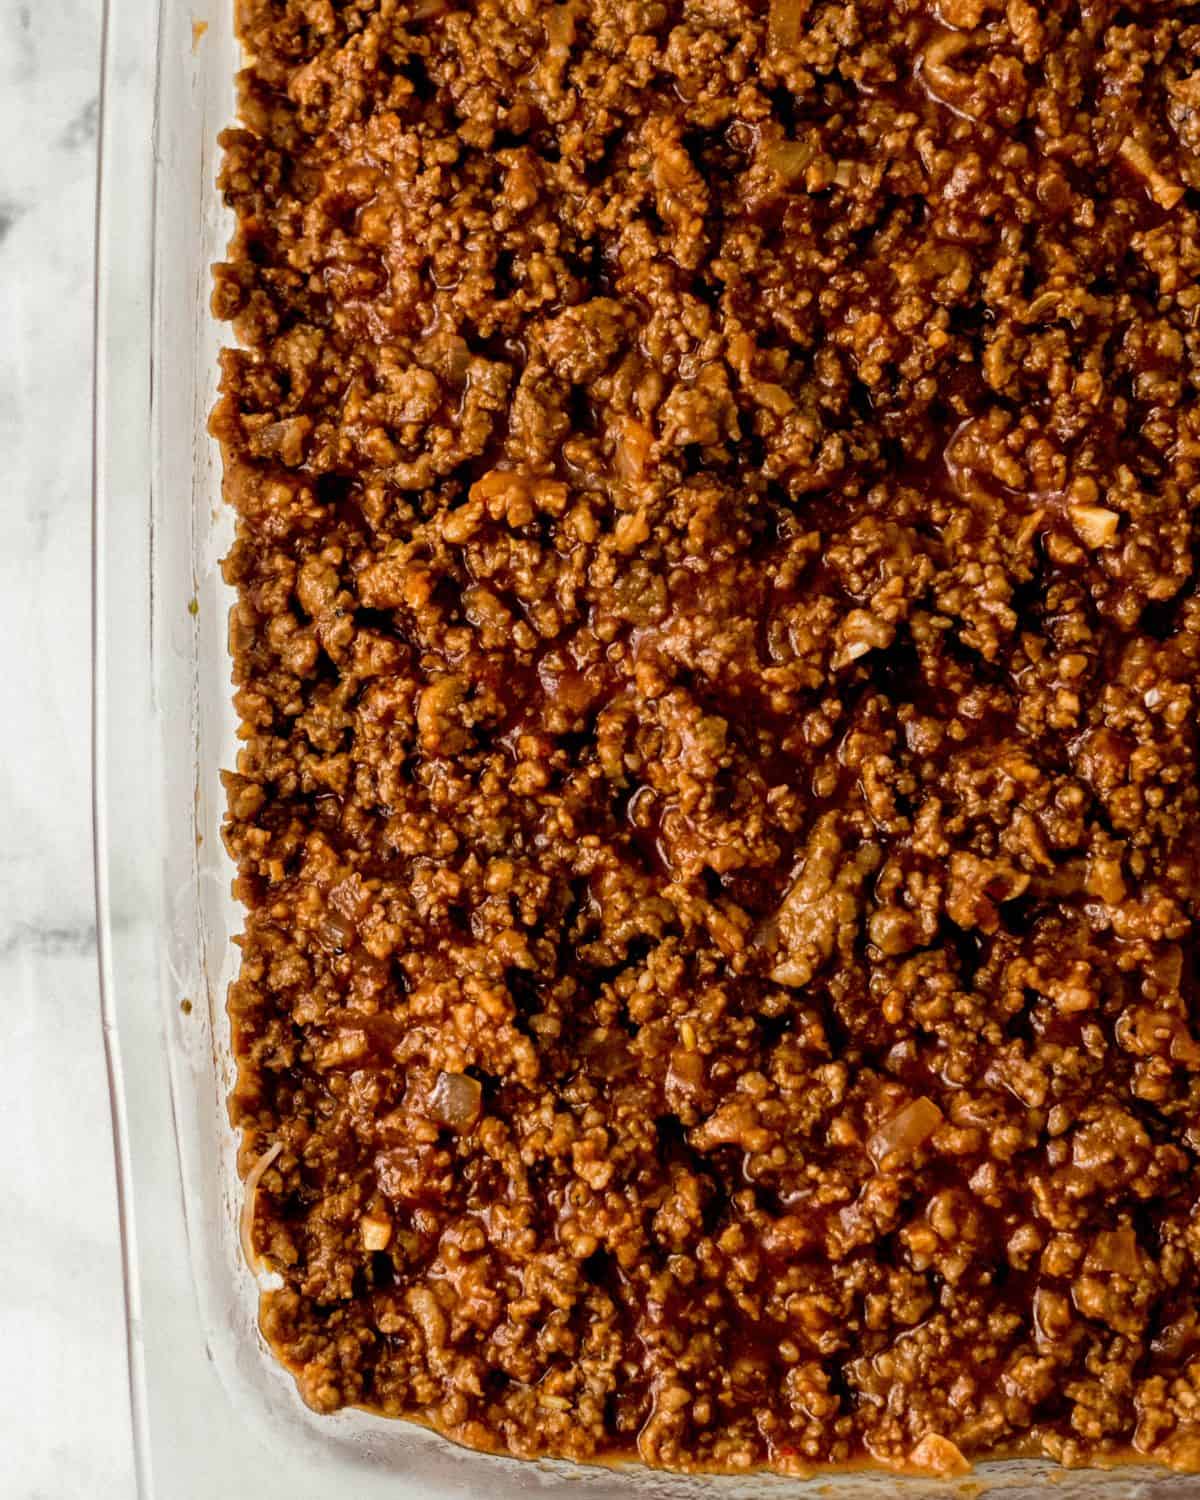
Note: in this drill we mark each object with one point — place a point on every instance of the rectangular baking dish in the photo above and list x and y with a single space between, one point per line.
212 1412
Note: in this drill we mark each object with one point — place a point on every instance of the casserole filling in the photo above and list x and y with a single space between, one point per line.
716 645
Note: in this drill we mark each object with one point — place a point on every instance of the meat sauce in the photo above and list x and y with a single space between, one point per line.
716 649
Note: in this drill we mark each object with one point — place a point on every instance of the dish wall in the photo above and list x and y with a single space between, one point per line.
213 1413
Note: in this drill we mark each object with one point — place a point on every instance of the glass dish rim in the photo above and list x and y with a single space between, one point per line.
125 404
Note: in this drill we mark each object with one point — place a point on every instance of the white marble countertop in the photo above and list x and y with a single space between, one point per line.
64 1409
65 1430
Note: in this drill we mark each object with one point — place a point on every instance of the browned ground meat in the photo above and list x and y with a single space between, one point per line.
716 648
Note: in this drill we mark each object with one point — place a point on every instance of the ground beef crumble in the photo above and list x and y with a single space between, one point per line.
716 649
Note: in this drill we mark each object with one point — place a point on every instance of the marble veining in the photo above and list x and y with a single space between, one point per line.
64 1414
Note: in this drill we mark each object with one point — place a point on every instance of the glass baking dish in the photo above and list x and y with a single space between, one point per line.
212 1412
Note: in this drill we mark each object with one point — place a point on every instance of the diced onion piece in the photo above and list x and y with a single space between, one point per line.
909 1128
1114 1250
376 1232
560 27
632 451
860 633
246 1224
785 24
686 1070
458 359
456 1100
789 160
337 930
1160 187
1095 524
774 397
936 1454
